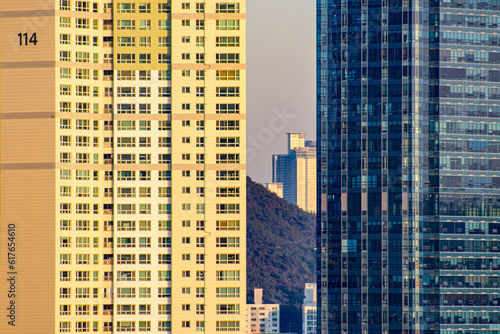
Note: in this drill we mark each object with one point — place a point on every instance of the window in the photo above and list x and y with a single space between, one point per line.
65 208
164 41
164 326
200 25
65 258
164 175
126 309
64 4
125 242
225 108
164 108
227 259
200 258
200 74
228 242
227 208
144 25
186 5
227 158
64 242
164 125
82 292
144 326
227 91
125 41
227 58
65 174
200 242
227 41
227 75
228 142
228 309
164 142
164 24
125 25
164 225
164 275
200 41
227 8
65 225
229 292
82 40
227 24
164 292
126 259
200 225
64 39
145 225
125 326
227 326
144 275
227 125
126 225
164 242
164 91
82 309
228 225
200 275
200 208
65 309
165 158
65 89
126 125
145 292
144 92
186 23
82 23
125 92
143 241
125 58
126 292
65 22
164 258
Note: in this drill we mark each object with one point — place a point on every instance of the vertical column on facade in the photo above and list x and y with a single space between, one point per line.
345 164
364 167
385 173
322 127
406 297
415 167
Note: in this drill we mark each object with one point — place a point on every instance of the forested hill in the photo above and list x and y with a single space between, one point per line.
281 245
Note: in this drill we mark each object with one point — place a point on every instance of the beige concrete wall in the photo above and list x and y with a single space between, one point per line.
27 173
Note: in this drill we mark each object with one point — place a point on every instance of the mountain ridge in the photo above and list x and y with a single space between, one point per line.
281 258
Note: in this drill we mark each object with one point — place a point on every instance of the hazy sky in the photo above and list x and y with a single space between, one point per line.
281 72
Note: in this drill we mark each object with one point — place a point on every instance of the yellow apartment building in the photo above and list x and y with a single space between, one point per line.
123 170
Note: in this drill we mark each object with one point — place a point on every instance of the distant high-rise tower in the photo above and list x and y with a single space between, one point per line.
409 166
296 170
123 166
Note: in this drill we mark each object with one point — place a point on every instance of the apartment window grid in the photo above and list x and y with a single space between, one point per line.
84 91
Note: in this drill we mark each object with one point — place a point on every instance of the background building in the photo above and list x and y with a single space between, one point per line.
262 318
276 188
309 309
408 113
123 165
296 170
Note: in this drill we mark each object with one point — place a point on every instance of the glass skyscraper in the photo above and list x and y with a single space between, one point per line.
408 166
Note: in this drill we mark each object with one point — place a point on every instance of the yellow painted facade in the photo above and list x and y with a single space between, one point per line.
127 123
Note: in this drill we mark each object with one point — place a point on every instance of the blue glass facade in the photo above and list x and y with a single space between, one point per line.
408 124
